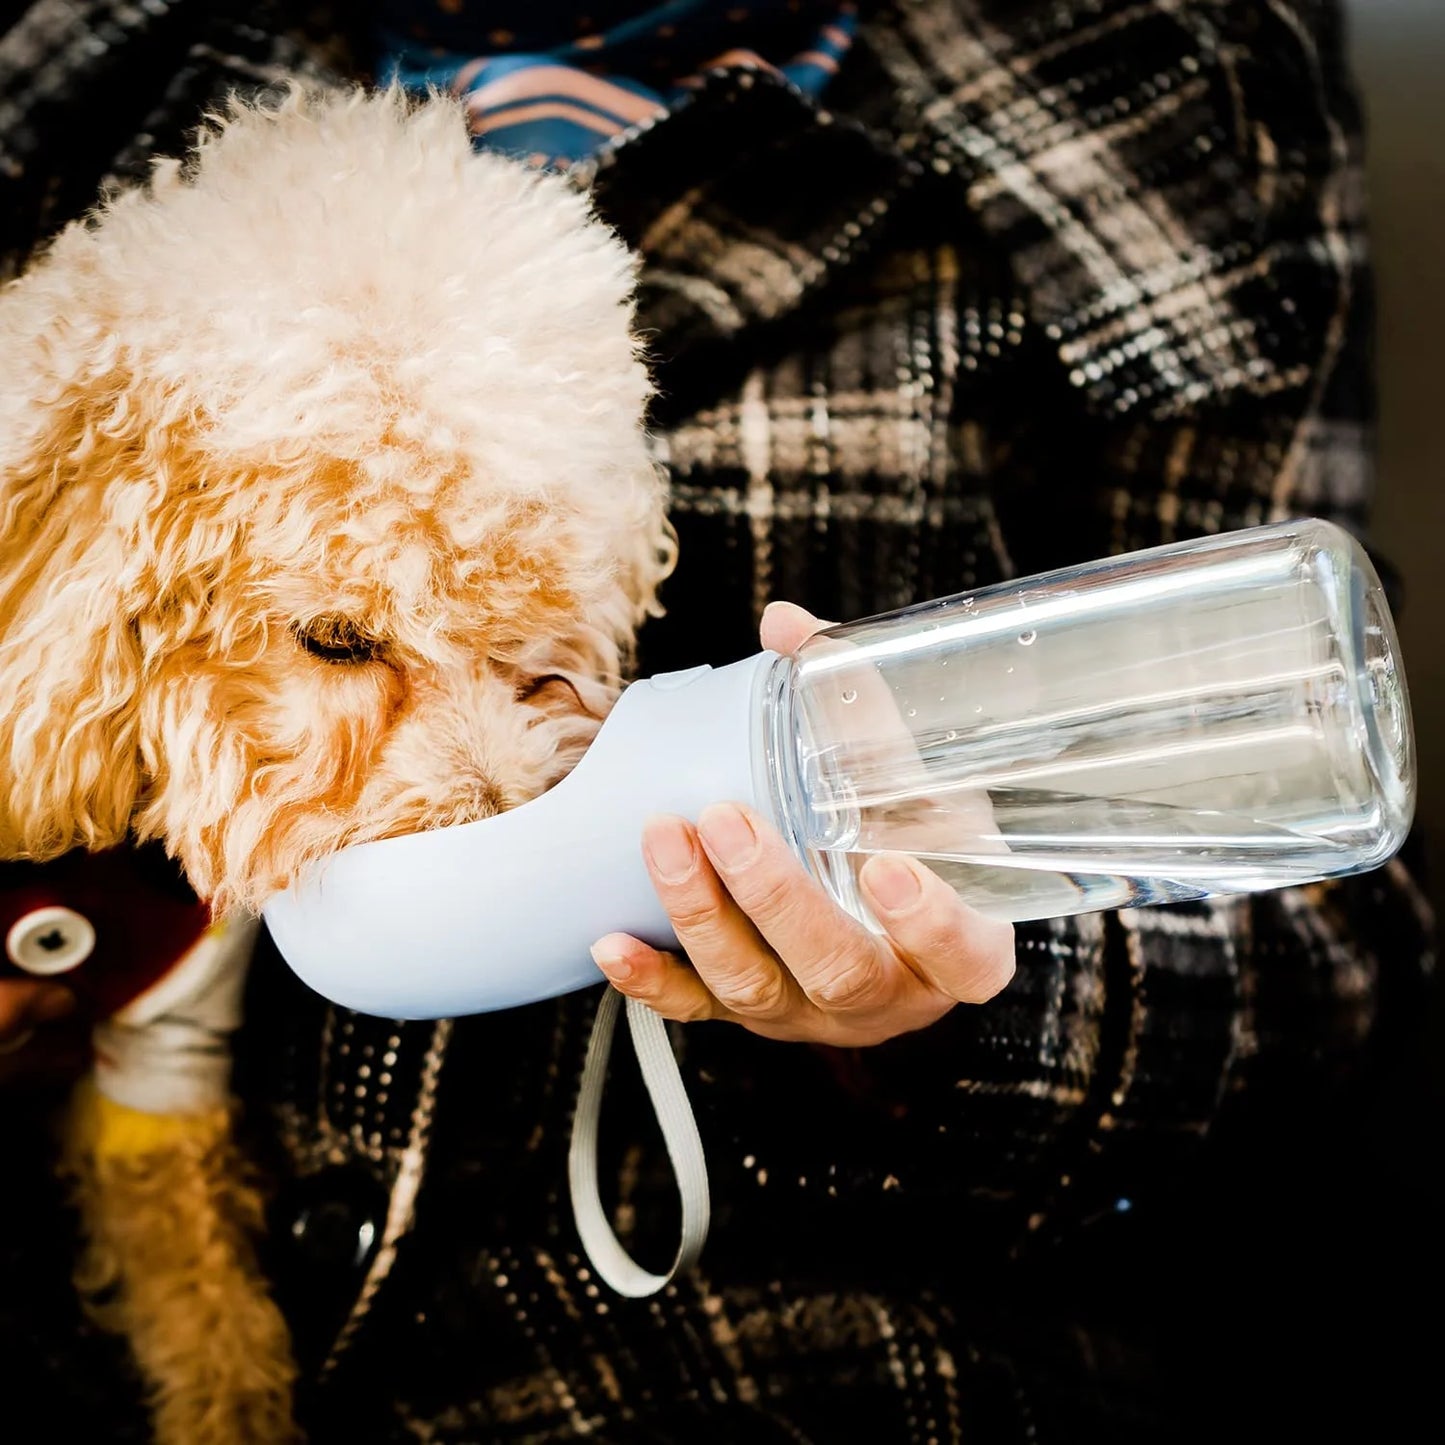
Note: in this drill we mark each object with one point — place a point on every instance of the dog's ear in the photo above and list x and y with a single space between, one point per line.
595 656
646 557
70 660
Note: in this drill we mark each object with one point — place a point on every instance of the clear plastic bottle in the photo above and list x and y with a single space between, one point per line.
1219 716
1211 717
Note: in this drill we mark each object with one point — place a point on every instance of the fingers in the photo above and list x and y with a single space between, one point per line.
660 980
731 962
962 954
770 949
786 626
834 961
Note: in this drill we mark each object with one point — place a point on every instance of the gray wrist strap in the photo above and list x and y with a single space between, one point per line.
679 1131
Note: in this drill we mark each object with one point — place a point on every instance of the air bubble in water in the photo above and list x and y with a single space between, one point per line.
1027 639
850 694
913 712
950 735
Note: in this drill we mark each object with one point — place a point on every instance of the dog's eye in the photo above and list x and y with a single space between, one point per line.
336 639
553 689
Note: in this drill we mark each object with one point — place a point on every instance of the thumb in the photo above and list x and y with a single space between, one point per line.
786 626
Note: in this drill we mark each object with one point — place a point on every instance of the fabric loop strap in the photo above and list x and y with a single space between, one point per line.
668 1096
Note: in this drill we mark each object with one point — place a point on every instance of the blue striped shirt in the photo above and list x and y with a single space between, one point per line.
552 88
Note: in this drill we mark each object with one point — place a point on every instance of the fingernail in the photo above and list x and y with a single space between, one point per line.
611 960
668 844
892 883
727 834
773 607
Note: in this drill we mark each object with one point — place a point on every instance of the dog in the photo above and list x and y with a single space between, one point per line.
327 513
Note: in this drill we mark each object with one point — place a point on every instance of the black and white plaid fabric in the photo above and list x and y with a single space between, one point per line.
1043 282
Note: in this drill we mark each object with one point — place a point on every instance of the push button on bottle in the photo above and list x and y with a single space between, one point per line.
671 681
50 941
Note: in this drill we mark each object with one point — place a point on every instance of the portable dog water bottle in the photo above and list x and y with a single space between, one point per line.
1216 716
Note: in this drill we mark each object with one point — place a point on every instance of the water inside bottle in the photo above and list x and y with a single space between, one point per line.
1062 853
1212 726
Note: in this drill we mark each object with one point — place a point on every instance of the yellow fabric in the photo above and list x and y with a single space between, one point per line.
113 1131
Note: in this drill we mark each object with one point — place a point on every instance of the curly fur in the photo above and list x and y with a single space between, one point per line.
337 366
167 1263
326 513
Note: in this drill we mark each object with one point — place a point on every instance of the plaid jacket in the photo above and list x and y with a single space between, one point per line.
1041 283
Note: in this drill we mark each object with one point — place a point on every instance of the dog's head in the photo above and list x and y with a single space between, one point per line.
326 511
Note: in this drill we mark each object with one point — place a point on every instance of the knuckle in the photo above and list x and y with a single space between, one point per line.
998 938
978 976
937 929
963 963
760 992
674 992
990 981
998 959
768 897
692 1009
847 980
941 938
695 914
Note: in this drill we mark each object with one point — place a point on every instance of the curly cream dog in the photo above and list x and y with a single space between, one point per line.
326 513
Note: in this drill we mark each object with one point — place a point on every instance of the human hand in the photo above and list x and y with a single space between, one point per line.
769 949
